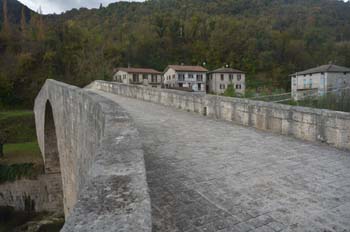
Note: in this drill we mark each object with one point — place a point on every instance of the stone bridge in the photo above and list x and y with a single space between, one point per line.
140 159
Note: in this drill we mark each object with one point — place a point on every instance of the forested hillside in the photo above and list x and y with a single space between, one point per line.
268 39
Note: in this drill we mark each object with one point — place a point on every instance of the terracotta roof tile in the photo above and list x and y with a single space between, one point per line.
187 68
138 70
226 70
324 68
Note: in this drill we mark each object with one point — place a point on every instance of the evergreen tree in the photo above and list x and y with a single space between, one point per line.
23 22
6 24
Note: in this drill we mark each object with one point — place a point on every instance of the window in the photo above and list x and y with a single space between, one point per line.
135 78
222 77
124 76
238 86
239 77
154 78
310 83
181 77
174 77
199 77
144 76
231 77
190 76
305 83
222 86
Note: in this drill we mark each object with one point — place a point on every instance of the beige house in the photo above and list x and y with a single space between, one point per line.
191 78
320 80
138 76
220 79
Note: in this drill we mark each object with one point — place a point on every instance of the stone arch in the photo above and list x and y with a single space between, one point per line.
52 165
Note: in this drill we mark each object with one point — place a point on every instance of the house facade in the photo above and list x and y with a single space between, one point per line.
220 79
320 80
191 78
138 76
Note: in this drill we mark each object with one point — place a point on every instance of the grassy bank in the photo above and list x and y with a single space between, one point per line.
21 160
16 113
21 153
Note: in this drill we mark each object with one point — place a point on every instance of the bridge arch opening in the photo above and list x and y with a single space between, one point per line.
52 159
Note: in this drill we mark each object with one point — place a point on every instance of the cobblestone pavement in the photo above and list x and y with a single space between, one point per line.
208 175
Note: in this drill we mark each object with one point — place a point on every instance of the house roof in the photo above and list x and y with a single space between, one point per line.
187 68
226 70
138 70
324 68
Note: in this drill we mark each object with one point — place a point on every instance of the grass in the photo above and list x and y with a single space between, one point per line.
22 153
20 160
16 113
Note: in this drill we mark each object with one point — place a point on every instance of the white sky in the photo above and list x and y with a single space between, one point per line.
59 6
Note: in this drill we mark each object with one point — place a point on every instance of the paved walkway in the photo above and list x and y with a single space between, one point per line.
207 175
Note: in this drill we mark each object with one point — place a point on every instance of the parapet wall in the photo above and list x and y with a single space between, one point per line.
309 124
100 157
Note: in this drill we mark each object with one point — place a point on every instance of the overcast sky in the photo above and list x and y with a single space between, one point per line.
59 6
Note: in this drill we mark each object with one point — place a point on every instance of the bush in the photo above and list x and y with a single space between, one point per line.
17 171
230 91
339 101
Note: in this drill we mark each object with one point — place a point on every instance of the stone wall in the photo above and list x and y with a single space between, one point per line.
43 194
100 158
309 124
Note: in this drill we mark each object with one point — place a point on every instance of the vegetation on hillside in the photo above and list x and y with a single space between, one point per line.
267 39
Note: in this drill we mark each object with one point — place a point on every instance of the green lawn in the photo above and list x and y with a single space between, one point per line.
16 113
22 153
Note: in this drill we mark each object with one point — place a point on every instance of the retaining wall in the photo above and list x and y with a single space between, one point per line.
43 194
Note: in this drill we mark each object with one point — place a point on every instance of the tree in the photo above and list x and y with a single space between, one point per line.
6 24
230 91
4 134
41 26
23 21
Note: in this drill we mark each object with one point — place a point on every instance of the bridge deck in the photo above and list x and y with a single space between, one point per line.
207 175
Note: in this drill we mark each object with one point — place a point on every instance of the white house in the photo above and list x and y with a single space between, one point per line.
138 76
185 77
319 80
219 80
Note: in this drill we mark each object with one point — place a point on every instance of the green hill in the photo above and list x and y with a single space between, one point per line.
268 39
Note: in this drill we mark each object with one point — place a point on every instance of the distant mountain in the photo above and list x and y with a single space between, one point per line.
14 8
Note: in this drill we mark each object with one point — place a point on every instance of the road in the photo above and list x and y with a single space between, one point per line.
209 175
